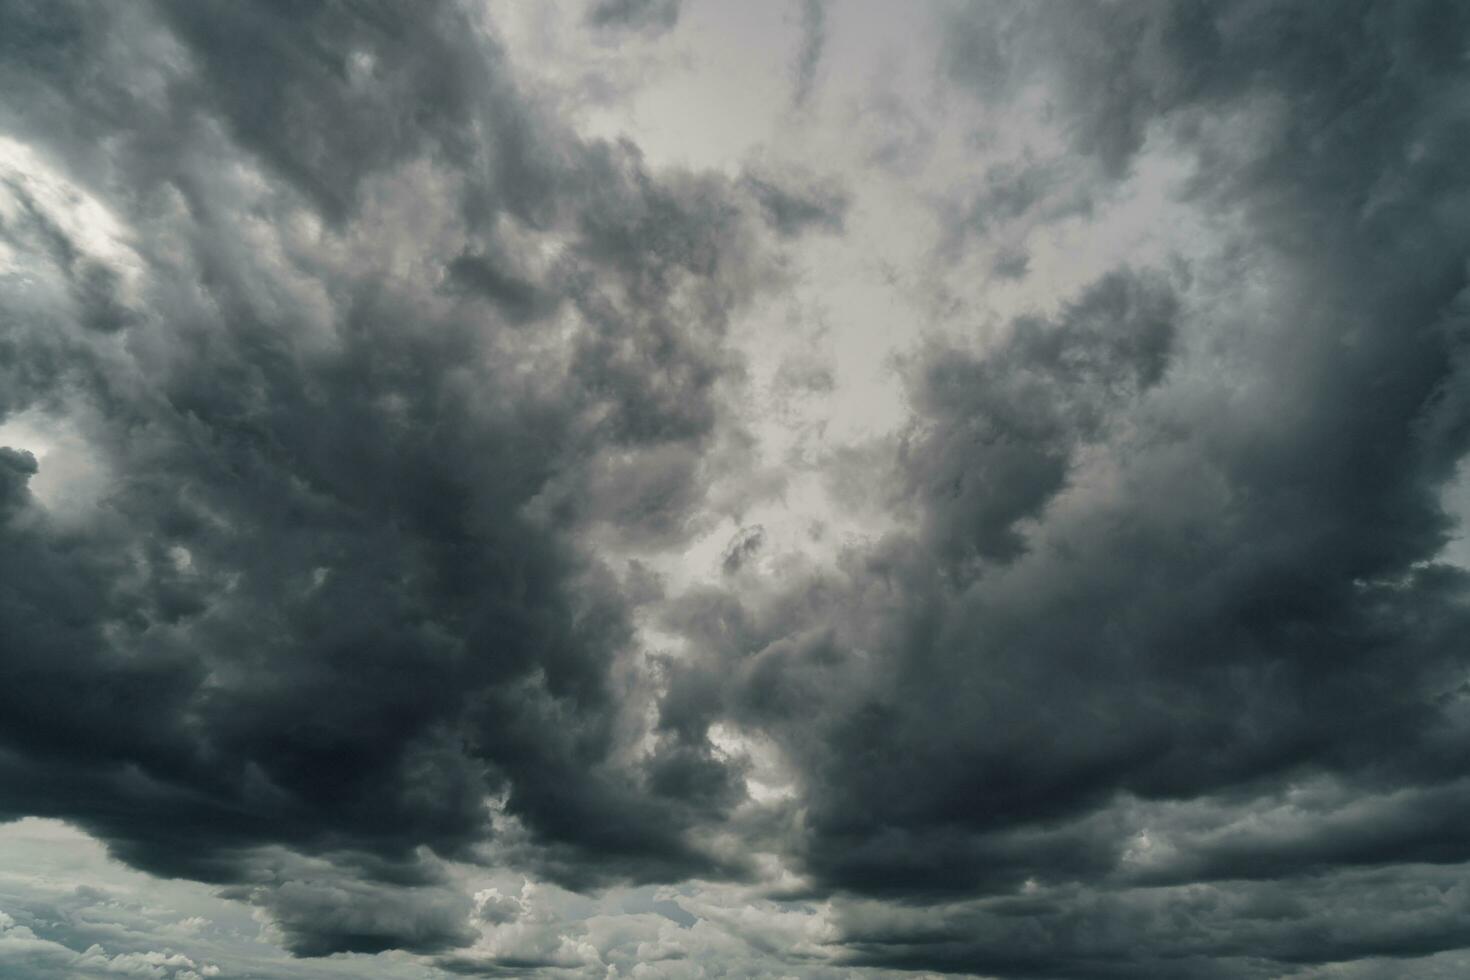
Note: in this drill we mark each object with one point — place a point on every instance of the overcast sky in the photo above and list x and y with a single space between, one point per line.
696 489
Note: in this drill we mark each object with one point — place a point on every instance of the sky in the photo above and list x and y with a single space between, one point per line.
813 489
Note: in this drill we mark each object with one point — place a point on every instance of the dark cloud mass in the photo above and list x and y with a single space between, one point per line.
329 601
644 15
1152 666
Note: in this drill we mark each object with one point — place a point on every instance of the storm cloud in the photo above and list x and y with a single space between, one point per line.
410 529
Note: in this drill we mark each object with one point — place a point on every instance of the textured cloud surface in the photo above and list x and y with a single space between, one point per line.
689 490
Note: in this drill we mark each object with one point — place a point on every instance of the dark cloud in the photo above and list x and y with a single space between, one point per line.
651 16
742 547
1149 668
328 95
996 435
809 52
517 298
320 912
17 467
331 600
92 286
795 201
1125 583
1251 930
1011 264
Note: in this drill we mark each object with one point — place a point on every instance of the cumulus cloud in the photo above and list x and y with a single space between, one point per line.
387 321
24 954
373 426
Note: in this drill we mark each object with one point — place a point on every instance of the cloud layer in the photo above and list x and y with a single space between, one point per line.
995 524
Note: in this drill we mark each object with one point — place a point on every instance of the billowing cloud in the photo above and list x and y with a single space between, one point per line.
383 323
442 521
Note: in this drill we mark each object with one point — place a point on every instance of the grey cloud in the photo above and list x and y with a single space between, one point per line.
1152 58
809 52
518 298
997 434
1012 195
803 373
1173 545
498 909
348 93
90 932
27 956
1240 930
318 914
1011 264
652 16
742 547
18 466
1153 672
898 138
1309 830
331 601
795 201
92 285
